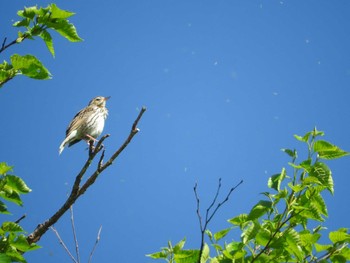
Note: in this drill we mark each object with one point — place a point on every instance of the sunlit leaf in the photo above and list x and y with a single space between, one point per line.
320 247
11 227
66 29
187 256
328 151
5 258
48 41
251 231
339 236
221 234
291 153
239 220
28 12
17 184
322 172
4 168
179 245
293 243
30 66
24 22
276 180
261 208
59 13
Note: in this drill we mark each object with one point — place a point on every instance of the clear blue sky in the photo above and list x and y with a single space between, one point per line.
227 84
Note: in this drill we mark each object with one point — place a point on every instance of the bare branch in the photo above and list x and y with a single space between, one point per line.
74 233
20 219
208 217
78 190
96 242
63 244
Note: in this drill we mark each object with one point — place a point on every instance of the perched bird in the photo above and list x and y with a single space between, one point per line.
88 124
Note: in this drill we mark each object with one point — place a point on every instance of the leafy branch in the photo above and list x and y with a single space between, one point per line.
36 22
78 189
278 229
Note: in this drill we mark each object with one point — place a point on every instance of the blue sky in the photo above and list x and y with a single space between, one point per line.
226 83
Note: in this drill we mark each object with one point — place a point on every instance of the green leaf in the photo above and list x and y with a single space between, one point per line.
339 236
11 196
5 258
261 208
221 234
320 247
320 204
187 256
263 237
22 244
30 66
293 243
3 209
59 13
24 22
11 227
28 12
4 168
328 151
308 240
291 153
48 41
179 245
276 180
158 255
322 172
65 28
17 184
251 231
304 138
338 259
205 254
239 220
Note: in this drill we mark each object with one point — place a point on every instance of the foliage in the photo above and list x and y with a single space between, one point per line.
36 22
278 228
13 242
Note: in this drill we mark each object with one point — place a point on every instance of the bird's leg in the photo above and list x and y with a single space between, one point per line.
90 138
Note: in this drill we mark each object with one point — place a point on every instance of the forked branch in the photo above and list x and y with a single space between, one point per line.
77 189
210 214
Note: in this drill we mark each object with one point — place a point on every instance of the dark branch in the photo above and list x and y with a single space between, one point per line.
208 218
78 190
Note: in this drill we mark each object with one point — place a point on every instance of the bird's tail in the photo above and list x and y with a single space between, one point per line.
63 144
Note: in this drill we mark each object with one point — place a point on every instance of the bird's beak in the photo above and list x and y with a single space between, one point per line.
107 98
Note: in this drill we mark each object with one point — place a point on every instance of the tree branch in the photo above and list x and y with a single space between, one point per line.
96 242
208 217
76 189
63 244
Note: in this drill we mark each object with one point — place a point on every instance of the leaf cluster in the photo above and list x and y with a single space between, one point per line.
278 228
36 22
13 242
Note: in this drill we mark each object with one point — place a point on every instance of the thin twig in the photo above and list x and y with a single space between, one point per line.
20 219
74 233
208 217
63 244
76 189
96 242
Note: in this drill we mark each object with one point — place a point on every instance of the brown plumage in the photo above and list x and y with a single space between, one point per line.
87 124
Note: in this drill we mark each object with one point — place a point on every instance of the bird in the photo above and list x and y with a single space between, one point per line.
87 124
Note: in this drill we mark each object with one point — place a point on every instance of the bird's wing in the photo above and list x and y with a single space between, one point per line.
78 119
